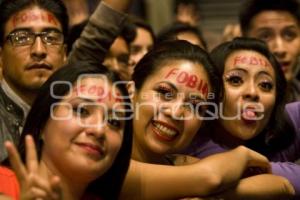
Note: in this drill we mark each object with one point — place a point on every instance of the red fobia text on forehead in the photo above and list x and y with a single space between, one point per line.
99 92
250 60
31 16
189 80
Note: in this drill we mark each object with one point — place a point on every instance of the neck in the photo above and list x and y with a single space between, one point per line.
140 153
224 138
26 95
70 189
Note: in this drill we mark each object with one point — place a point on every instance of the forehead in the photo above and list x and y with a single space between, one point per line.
143 36
34 18
185 75
96 87
273 19
119 46
248 60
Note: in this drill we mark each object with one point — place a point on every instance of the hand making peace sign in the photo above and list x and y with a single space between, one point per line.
34 184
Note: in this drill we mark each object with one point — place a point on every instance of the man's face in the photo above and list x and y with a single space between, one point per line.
281 31
27 67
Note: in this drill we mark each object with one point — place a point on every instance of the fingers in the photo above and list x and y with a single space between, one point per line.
15 161
258 160
31 156
39 187
56 188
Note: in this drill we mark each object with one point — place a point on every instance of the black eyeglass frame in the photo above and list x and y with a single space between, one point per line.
43 35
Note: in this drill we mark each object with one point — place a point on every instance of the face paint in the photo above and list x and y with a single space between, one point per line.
251 60
98 92
33 17
189 80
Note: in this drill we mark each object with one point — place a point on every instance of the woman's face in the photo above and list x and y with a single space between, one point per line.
167 110
85 131
142 43
249 96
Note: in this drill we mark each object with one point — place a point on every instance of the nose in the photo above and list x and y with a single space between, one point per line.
38 49
174 110
96 126
251 93
278 47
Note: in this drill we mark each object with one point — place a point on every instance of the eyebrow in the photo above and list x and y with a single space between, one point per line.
243 70
30 30
170 84
264 73
235 69
191 96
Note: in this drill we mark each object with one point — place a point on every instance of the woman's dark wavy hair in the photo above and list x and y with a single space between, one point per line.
171 32
10 7
277 133
108 186
140 23
175 50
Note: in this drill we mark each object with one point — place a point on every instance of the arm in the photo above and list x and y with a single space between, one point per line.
260 187
290 171
208 176
104 25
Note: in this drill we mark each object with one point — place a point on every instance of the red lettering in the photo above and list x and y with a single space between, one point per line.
200 85
118 97
182 77
51 19
192 81
92 89
237 60
261 62
34 17
172 71
253 61
24 18
205 89
80 89
100 91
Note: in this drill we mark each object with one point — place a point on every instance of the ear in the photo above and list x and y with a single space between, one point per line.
131 90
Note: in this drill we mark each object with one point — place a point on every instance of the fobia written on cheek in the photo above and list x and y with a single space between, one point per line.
92 93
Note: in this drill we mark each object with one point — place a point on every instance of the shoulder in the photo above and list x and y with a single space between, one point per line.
8 183
293 111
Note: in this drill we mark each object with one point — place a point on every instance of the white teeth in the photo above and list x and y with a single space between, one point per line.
165 130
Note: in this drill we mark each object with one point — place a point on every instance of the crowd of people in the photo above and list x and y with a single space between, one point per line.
107 109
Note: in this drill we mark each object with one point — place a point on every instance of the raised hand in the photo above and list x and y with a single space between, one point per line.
33 183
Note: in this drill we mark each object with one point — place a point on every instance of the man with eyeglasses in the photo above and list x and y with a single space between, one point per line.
32 48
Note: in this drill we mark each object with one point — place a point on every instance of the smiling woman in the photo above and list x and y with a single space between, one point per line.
76 130
169 82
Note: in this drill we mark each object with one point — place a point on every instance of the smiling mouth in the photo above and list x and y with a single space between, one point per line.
165 131
91 149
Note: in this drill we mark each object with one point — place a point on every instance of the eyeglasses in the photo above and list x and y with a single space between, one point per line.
23 37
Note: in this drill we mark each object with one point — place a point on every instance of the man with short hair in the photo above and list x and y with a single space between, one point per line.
31 49
278 24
